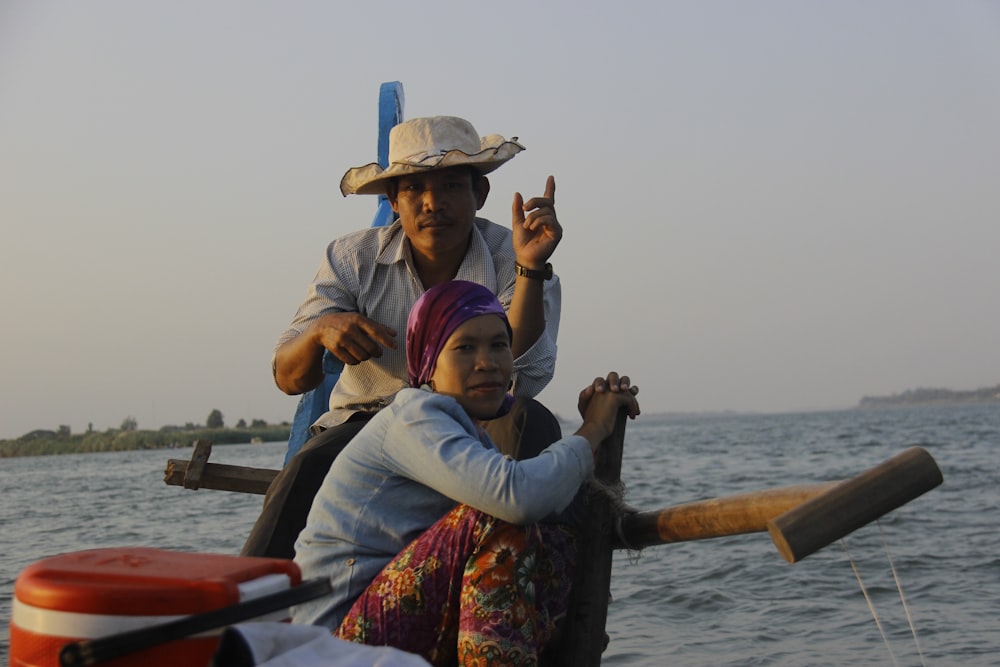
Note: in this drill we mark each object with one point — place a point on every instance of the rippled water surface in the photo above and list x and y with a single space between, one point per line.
725 601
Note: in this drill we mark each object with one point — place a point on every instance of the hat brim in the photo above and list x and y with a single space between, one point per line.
371 179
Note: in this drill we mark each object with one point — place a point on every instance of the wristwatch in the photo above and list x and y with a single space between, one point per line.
544 274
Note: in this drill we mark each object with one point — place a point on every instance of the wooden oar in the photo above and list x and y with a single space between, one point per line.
714 517
800 519
854 503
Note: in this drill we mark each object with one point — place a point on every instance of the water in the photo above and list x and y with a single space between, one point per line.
727 601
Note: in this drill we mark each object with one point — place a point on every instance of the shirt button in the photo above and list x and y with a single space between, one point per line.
350 562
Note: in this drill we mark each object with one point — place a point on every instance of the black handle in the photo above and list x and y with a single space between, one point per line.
96 651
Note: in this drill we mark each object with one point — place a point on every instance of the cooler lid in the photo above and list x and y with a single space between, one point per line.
142 581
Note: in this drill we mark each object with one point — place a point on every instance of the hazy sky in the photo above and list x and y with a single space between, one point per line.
768 206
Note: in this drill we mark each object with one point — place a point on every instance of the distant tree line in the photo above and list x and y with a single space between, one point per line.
42 442
929 396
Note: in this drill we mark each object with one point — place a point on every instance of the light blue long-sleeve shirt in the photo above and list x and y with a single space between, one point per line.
408 467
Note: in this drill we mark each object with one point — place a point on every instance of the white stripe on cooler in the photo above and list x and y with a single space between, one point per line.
78 625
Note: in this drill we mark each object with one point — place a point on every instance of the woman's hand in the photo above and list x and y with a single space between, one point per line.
614 384
599 403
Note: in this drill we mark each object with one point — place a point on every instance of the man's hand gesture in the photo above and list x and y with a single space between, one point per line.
537 234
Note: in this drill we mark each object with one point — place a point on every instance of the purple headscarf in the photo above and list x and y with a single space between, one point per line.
436 315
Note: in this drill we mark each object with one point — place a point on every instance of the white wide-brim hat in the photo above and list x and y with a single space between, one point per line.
423 144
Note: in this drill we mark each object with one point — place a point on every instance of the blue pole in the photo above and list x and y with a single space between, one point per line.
314 403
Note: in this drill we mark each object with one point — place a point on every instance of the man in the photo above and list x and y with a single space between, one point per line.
356 307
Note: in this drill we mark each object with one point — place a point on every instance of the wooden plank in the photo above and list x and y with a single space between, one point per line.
222 477
192 475
584 637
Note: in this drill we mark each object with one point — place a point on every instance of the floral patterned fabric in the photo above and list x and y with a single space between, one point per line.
471 590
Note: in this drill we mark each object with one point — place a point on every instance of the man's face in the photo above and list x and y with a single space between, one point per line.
437 208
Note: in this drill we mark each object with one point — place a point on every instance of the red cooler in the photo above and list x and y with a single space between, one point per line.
91 594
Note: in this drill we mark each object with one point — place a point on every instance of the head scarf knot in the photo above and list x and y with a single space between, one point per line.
436 315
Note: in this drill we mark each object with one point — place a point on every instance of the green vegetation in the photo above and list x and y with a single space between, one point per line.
933 397
215 419
44 442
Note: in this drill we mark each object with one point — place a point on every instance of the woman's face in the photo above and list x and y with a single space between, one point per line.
475 366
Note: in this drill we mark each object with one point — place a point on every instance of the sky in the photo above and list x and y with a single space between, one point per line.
768 206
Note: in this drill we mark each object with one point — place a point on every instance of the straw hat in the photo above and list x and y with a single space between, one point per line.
422 144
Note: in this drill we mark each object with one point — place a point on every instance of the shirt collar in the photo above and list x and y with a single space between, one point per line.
477 265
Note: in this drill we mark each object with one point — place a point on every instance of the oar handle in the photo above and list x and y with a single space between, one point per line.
95 651
712 517
801 519
854 503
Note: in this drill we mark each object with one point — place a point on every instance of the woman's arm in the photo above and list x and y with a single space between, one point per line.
434 442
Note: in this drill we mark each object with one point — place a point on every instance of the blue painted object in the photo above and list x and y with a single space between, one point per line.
314 403
390 114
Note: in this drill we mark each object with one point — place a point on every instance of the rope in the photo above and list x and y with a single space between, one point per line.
902 598
871 606
614 494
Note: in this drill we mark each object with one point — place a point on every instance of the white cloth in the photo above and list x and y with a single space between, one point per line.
286 645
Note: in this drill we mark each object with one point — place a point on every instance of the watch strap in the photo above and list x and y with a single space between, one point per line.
544 274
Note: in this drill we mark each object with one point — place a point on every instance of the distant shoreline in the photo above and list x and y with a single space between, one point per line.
930 397
48 443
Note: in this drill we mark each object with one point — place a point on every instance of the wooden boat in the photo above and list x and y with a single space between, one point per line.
799 519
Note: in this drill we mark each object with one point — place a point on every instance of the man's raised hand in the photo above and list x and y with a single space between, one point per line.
536 234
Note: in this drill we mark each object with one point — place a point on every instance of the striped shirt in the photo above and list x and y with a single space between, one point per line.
371 272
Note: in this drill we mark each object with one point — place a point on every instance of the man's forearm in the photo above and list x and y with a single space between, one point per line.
526 313
298 365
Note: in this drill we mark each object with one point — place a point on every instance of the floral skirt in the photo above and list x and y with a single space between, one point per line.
471 590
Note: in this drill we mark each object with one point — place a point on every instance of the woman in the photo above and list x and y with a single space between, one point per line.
434 541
